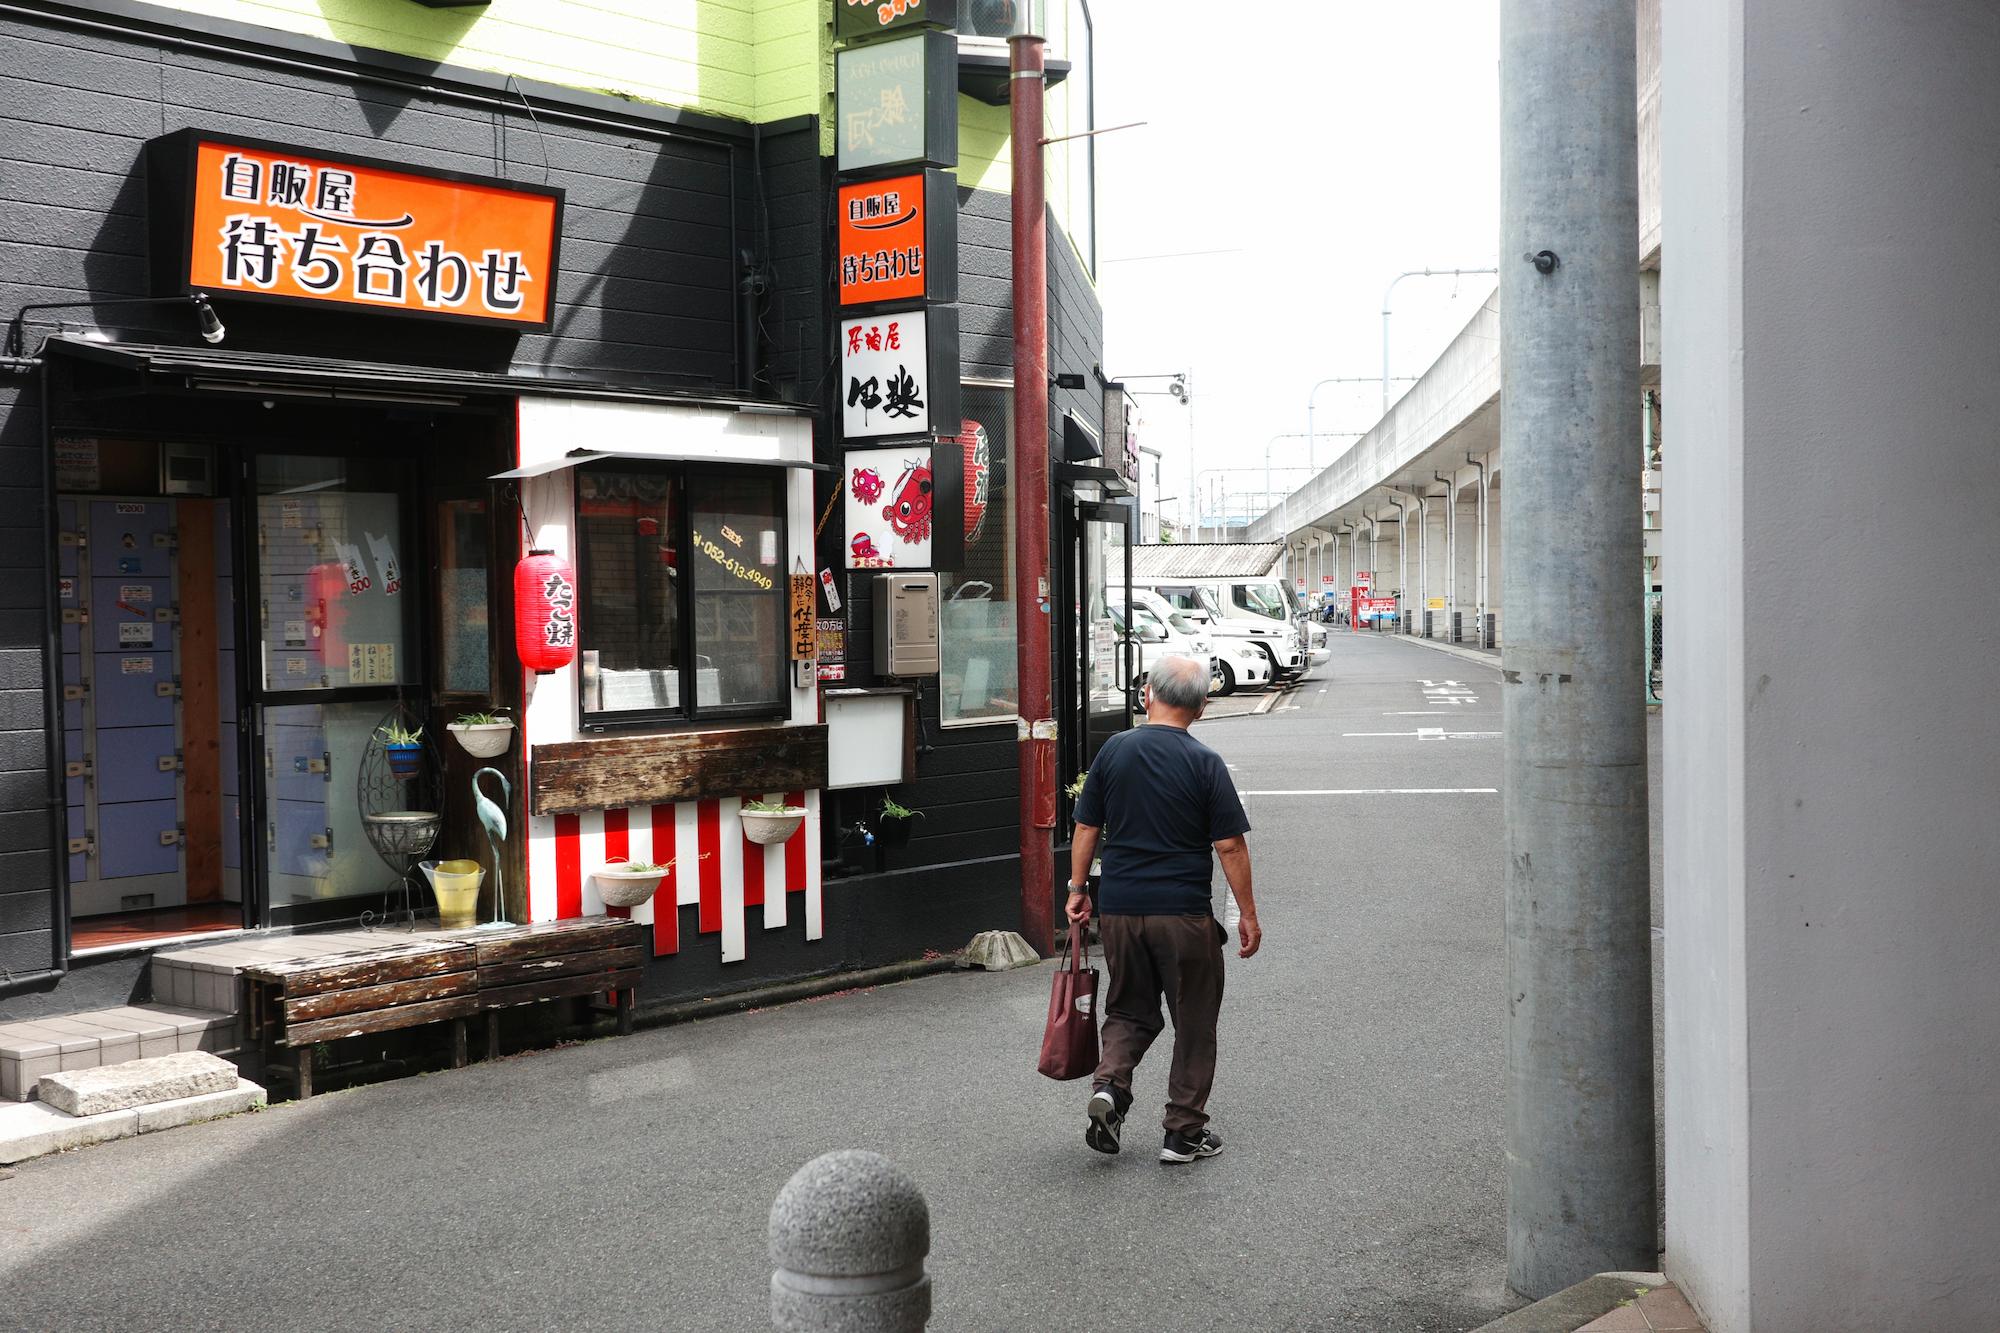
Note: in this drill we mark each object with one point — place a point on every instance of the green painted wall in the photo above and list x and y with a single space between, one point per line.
757 60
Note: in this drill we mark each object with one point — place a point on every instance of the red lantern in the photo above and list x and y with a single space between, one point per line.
544 612
978 477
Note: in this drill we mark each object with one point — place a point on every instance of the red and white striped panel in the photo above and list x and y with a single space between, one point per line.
713 867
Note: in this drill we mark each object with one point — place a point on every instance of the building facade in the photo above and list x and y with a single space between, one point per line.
483 285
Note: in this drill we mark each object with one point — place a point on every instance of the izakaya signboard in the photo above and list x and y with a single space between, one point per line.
267 221
859 18
899 239
898 372
896 102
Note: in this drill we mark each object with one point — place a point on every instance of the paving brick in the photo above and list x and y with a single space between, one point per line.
138 1083
189 1110
28 1072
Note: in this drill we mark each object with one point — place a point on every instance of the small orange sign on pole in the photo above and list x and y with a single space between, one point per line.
273 222
805 633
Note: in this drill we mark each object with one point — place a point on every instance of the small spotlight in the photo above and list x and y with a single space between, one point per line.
211 327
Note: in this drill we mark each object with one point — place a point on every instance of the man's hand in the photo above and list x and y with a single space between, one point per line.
1251 933
1078 908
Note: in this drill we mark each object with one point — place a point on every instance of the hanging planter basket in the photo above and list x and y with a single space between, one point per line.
405 760
765 827
619 885
483 740
893 832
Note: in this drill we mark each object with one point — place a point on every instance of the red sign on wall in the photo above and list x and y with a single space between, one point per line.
274 222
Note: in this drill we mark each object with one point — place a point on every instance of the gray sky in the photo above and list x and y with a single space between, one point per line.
1330 146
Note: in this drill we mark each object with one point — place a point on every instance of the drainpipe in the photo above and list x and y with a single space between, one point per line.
1450 545
1036 728
1480 629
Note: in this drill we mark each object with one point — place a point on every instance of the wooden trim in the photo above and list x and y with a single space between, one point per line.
574 776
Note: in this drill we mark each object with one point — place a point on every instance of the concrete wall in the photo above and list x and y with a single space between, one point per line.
1833 1000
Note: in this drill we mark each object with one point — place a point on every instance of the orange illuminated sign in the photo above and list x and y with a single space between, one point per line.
897 239
275 222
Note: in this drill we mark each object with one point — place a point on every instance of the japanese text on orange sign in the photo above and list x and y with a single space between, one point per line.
805 638
283 224
882 240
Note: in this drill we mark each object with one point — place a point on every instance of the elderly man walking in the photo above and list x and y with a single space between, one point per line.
1158 800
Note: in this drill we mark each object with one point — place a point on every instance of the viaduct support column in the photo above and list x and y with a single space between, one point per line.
1580 1158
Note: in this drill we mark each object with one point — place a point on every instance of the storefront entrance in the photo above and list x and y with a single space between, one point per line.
1097 684
232 655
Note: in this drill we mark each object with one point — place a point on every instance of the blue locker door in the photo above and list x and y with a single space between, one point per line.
130 537
136 764
74 759
131 615
134 690
138 838
301 839
79 827
297 765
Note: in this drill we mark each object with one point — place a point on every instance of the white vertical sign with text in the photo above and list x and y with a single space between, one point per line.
884 375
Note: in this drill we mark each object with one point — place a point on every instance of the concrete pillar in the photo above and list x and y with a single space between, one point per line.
1581 1196
1832 924
848 1236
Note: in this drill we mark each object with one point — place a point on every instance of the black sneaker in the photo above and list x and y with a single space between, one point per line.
1106 1120
1187 1147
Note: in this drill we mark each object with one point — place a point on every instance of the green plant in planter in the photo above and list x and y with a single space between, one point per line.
478 720
891 809
395 733
1075 789
648 868
767 807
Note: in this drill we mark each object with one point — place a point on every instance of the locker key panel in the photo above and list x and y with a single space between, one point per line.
133 839
126 614
300 847
298 766
131 537
128 690
78 828
73 759
136 764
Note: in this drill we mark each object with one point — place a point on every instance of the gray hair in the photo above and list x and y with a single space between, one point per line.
1180 681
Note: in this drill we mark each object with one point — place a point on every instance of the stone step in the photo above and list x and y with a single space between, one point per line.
32 1129
35 1047
120 1087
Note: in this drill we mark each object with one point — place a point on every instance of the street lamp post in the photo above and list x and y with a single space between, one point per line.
1413 273
1312 443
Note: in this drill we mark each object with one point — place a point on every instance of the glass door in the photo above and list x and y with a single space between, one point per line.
332 627
1108 667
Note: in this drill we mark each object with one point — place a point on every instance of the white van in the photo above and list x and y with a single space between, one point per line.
1233 663
1239 610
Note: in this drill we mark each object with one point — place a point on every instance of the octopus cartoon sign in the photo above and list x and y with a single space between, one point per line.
891 495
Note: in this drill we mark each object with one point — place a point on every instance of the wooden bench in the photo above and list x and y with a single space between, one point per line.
579 957
300 1003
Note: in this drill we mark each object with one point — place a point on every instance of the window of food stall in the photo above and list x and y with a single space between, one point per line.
682 593
976 637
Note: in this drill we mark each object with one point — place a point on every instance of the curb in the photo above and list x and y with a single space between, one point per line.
688 1011
1469 654
1573 1307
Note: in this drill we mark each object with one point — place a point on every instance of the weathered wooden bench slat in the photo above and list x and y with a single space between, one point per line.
417 990
579 936
562 965
506 997
380 1020
367 969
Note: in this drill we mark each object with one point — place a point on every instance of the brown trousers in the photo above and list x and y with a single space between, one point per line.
1179 957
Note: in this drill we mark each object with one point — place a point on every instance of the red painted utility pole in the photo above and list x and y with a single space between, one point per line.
1031 481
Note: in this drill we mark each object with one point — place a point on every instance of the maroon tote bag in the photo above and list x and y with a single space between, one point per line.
1069 1042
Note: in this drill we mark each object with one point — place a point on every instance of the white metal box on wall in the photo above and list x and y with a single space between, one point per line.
906 624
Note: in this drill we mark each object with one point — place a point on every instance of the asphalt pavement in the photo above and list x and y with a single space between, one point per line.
625 1183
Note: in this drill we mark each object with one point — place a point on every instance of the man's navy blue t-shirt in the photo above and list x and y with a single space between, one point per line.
1162 798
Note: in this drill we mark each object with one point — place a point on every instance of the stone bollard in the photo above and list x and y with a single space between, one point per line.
849 1233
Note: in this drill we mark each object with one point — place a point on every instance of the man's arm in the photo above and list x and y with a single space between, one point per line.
1235 856
1082 851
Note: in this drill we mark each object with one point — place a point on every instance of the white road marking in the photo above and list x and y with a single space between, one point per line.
1424 734
1420 712
1386 791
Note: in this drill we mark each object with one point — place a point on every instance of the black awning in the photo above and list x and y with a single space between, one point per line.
270 374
